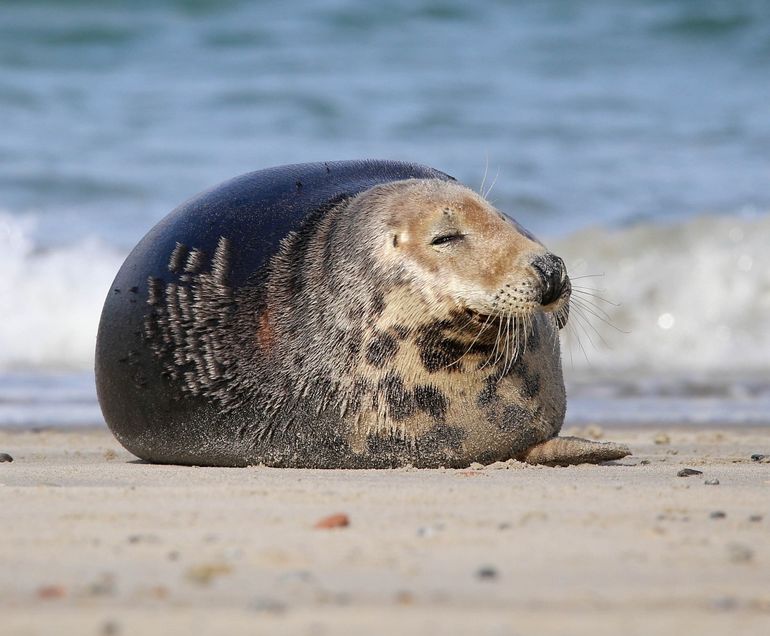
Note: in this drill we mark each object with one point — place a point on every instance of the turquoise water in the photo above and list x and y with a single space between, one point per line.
634 136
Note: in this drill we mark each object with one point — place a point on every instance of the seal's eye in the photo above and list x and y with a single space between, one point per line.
445 239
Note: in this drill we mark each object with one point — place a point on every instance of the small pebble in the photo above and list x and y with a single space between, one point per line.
724 604
103 586
404 597
645 462
143 538
718 514
711 482
486 573
110 628
429 531
476 466
5 457
51 591
757 457
158 591
339 520
755 518
204 573
688 472
662 438
739 553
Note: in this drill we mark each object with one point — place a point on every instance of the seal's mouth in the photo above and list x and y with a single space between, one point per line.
554 303
489 320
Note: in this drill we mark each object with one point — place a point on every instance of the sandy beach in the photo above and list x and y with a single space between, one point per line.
94 542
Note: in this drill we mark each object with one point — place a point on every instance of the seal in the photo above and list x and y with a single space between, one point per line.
338 315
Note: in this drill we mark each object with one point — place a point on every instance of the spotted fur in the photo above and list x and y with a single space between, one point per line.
360 344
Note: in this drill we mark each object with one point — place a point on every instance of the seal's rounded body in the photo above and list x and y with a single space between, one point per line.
349 314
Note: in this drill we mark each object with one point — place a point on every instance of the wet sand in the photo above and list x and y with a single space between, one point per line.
94 542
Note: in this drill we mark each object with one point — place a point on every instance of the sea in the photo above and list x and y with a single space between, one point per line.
632 137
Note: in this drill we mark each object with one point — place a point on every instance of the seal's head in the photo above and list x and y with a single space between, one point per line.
466 255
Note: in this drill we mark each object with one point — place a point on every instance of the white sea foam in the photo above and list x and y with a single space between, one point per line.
50 298
693 297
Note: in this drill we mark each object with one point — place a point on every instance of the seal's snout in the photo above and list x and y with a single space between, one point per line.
553 275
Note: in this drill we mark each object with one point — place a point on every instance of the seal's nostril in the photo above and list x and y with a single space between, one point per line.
552 273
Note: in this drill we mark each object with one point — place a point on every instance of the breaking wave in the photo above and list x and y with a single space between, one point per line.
50 298
691 296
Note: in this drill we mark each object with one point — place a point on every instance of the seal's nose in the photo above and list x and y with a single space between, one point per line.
552 273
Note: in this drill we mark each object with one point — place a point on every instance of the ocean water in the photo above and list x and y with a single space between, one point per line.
633 137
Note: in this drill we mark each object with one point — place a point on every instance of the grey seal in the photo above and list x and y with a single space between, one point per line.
339 315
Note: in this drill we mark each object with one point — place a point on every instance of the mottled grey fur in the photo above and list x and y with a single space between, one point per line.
289 359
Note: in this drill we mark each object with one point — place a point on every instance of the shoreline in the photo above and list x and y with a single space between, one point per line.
95 541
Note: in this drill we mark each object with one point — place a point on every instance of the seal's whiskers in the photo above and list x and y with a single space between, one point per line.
587 276
486 322
575 334
591 291
507 344
599 313
485 195
560 316
582 307
580 323
511 342
587 305
498 351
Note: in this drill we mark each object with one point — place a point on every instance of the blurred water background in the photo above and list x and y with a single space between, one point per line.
633 137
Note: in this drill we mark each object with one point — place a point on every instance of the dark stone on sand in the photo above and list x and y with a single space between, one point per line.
711 482
755 518
757 457
486 573
688 472
110 628
740 553
143 538
5 457
718 514
725 604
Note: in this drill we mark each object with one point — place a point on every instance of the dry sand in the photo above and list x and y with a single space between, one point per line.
94 542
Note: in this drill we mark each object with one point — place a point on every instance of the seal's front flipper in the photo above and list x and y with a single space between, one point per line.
563 451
